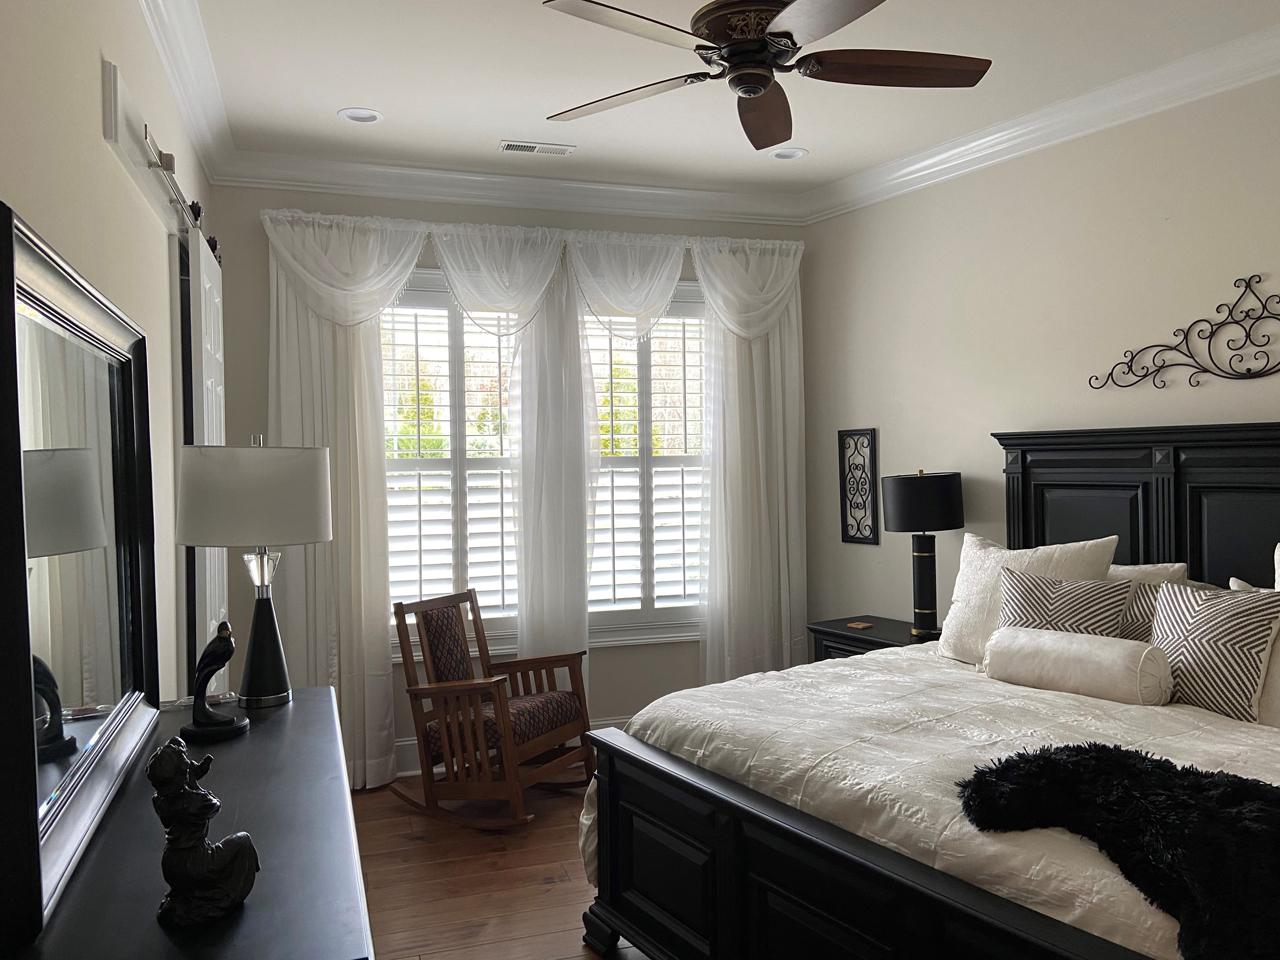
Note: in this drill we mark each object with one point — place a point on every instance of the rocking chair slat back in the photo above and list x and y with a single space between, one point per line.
440 625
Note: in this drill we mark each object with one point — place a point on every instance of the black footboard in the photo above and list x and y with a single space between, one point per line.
694 866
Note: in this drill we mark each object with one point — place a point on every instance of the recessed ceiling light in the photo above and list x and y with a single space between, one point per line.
360 114
789 153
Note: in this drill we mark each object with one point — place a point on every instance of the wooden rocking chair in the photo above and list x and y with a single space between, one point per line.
491 743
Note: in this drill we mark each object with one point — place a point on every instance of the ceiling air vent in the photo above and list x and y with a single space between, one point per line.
545 149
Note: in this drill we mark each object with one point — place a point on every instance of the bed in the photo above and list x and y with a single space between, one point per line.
751 820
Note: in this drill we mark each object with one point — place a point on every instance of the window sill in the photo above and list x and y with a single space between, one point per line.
679 628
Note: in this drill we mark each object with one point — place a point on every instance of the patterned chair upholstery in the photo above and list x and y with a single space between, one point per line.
532 716
446 639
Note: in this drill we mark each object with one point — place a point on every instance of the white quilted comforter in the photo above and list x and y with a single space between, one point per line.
875 744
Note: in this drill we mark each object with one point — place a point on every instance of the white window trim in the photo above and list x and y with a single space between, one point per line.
650 624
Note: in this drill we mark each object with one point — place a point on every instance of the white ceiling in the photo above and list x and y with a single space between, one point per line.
453 78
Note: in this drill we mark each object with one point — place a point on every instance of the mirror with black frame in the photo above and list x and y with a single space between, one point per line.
78 674
67 392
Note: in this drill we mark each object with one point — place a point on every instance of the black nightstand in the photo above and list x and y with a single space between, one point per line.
833 638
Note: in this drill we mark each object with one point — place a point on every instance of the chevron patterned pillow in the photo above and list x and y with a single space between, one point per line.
1139 613
1146 578
1068 606
1218 643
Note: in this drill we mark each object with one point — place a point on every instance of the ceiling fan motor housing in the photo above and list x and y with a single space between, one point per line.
749 79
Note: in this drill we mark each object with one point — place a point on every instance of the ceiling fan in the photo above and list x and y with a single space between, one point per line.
749 42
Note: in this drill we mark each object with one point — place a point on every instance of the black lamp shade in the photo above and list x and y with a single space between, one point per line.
924 502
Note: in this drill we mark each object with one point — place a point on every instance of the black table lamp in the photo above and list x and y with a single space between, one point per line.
916 503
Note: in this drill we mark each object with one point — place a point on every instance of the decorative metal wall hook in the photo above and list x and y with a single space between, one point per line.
1242 344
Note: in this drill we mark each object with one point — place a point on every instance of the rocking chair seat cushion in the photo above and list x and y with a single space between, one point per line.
532 716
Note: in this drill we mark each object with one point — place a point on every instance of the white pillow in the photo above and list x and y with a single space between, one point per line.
1149 572
1109 668
1269 700
975 601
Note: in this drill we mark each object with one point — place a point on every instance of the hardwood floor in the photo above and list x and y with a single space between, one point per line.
442 892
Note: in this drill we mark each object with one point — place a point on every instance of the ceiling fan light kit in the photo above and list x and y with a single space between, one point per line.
748 43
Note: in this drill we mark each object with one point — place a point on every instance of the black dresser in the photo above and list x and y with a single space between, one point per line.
286 783
835 638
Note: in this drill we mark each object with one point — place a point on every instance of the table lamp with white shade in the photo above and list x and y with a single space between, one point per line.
62 505
62 490
269 496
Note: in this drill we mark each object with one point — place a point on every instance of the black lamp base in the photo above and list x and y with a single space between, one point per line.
924 583
265 681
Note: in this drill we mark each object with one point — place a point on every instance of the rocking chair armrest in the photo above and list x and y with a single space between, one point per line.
538 663
483 685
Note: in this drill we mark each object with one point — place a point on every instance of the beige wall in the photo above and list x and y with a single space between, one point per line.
622 678
984 304
60 175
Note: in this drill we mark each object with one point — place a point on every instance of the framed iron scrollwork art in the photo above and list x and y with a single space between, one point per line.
859 496
1242 344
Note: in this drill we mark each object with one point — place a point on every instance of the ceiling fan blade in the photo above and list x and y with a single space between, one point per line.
627 22
766 119
805 21
630 96
893 68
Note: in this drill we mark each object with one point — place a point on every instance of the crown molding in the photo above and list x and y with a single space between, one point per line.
178 32
1227 66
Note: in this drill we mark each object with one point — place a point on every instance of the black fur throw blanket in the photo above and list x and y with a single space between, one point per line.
1203 847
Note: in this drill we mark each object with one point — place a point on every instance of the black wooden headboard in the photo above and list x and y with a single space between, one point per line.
1207 495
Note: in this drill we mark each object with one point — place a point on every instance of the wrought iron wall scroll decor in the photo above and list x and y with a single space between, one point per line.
1242 344
859 487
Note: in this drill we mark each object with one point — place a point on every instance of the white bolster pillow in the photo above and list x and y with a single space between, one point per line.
1109 668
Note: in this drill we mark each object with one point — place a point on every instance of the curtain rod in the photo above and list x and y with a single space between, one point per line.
569 233
165 165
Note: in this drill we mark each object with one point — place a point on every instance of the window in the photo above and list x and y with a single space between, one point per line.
450 496
450 490
648 504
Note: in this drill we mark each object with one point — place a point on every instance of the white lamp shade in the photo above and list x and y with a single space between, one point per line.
63 494
253 496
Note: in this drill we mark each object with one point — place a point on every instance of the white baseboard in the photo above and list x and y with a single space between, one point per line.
407 764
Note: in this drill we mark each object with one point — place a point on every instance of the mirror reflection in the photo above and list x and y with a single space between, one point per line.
66 400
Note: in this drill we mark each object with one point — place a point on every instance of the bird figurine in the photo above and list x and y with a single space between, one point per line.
208 725
51 744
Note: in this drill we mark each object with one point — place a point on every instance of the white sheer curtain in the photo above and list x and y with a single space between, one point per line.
73 598
755 590
558 460
626 280
330 279
521 272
